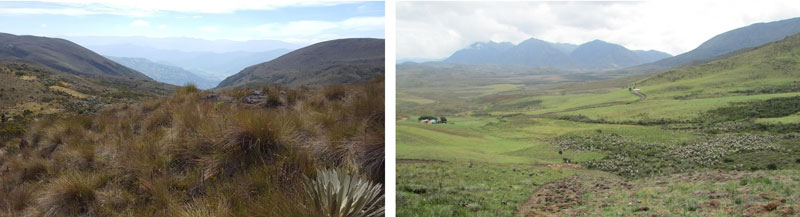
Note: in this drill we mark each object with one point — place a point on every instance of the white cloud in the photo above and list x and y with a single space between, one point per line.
437 29
43 25
140 23
144 8
209 28
305 31
162 26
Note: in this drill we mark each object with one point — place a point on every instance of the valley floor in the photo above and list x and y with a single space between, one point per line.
575 155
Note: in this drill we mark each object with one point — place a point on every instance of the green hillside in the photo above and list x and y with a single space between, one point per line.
772 68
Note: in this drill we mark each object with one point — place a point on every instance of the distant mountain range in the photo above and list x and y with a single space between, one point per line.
330 62
593 55
211 66
164 73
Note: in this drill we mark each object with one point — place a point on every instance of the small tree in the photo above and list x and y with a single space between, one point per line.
443 120
426 117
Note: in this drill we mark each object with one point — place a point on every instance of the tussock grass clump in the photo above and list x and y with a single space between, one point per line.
196 153
335 93
71 194
253 138
18 198
27 169
161 118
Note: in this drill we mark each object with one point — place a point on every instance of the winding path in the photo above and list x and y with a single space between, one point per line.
641 95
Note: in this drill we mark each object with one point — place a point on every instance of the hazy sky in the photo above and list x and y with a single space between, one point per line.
292 21
437 29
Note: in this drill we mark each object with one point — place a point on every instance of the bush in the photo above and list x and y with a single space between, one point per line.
426 117
772 166
9 130
335 194
187 89
770 108
273 100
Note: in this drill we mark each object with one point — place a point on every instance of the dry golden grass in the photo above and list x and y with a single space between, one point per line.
196 153
71 92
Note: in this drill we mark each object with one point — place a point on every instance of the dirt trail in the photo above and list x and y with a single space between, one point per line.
402 119
641 95
554 197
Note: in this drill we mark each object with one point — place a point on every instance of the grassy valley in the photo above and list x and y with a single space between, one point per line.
601 148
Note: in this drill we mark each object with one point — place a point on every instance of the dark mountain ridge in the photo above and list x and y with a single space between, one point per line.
340 61
745 37
720 46
61 55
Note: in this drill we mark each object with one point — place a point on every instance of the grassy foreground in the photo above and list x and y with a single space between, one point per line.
200 153
429 188
730 193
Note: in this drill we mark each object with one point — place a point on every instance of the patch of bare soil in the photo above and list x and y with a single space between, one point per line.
553 198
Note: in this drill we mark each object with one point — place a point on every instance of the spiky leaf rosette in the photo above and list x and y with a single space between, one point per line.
335 194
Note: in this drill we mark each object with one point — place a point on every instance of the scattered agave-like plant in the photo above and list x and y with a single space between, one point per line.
336 194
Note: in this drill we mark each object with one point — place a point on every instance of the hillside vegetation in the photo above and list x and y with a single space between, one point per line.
41 90
270 151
